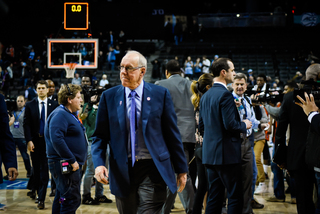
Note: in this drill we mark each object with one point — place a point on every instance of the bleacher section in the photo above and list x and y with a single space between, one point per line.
273 51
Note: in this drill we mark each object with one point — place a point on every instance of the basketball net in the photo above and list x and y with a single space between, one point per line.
70 69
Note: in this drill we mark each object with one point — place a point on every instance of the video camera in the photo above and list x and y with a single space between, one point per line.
268 96
11 104
310 87
89 91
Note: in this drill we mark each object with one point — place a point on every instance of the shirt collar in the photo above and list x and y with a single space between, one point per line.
45 100
174 75
237 96
138 90
221 84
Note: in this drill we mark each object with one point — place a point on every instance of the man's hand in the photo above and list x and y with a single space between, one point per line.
11 119
30 146
94 98
309 105
237 102
13 174
282 166
101 174
264 125
181 181
248 123
75 166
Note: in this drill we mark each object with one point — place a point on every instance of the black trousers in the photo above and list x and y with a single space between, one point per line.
304 180
247 175
40 168
202 182
147 190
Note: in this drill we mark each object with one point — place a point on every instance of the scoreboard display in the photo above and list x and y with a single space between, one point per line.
76 16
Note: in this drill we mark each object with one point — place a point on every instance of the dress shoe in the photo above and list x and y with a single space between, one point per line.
31 194
41 205
275 199
52 193
36 201
256 205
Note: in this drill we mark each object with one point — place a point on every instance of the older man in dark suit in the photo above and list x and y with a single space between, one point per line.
138 120
180 92
7 146
223 135
36 113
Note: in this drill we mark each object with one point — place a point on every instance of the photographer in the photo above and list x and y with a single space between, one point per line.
278 178
313 144
293 156
89 123
66 149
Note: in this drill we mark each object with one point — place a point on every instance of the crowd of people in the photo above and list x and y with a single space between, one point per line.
140 138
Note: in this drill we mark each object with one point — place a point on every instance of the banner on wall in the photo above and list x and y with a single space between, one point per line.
307 19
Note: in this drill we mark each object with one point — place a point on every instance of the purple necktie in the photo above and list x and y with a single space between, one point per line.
133 125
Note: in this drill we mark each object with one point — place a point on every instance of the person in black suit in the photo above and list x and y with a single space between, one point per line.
7 146
36 112
51 91
222 140
312 111
52 96
295 163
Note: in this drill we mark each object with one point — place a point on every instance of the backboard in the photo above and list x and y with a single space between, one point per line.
84 52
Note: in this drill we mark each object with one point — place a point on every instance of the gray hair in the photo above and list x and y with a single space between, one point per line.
240 76
142 60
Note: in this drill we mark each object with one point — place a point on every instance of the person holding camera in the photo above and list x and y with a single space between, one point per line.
311 109
293 156
8 154
66 149
89 123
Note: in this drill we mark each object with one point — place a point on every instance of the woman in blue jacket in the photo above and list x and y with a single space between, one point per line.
66 149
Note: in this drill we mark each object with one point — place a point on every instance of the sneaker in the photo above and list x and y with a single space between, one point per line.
256 205
103 199
2 206
262 188
293 201
89 201
275 199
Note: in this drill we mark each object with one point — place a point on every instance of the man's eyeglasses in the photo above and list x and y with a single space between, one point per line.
129 69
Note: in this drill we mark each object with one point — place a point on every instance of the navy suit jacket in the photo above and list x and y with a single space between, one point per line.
7 146
31 120
222 127
160 131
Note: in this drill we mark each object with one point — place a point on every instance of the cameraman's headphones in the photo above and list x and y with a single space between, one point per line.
69 91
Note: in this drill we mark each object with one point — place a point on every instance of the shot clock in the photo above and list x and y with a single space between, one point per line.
76 15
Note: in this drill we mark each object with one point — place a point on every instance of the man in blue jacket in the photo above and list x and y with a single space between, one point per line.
223 135
138 120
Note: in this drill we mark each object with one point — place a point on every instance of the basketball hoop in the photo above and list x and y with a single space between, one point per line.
70 69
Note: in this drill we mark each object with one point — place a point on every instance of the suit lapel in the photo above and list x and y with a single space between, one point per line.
146 105
49 107
120 101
